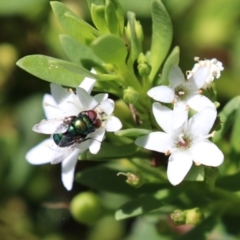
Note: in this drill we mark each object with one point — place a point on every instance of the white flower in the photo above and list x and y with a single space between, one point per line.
183 93
215 67
185 144
63 104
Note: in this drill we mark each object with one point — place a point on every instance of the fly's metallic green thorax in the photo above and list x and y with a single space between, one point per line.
81 126
78 129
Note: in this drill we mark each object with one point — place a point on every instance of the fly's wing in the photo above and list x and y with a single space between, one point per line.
55 125
62 154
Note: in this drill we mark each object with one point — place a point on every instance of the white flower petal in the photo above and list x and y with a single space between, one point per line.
163 116
198 102
95 142
71 105
41 153
176 76
112 124
58 92
100 97
87 101
83 146
179 164
180 114
50 107
107 106
87 84
197 80
156 141
162 94
207 153
201 123
68 167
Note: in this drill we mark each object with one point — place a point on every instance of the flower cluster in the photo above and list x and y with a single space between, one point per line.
60 109
214 70
185 140
77 122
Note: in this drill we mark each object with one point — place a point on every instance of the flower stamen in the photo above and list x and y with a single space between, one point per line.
181 93
180 137
197 163
167 153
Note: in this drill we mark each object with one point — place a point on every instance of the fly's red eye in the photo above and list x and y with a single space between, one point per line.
97 123
92 115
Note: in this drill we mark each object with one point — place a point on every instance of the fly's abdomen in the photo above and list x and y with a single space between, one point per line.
57 138
65 139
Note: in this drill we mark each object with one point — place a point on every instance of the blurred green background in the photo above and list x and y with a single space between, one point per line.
207 29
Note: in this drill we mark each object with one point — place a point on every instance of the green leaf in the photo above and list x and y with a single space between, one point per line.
161 36
76 68
105 179
146 203
173 59
120 15
235 135
111 49
111 18
135 42
111 151
50 69
73 25
96 2
79 53
230 182
98 17
196 173
132 132
228 119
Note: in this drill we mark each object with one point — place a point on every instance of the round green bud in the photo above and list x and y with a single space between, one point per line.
194 216
133 179
109 67
86 208
130 95
144 69
178 217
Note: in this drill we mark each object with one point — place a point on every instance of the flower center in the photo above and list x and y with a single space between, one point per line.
181 93
183 142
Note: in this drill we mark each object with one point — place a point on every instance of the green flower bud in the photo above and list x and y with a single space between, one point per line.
109 67
130 95
144 68
137 29
128 31
133 179
141 58
194 216
178 217
86 208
